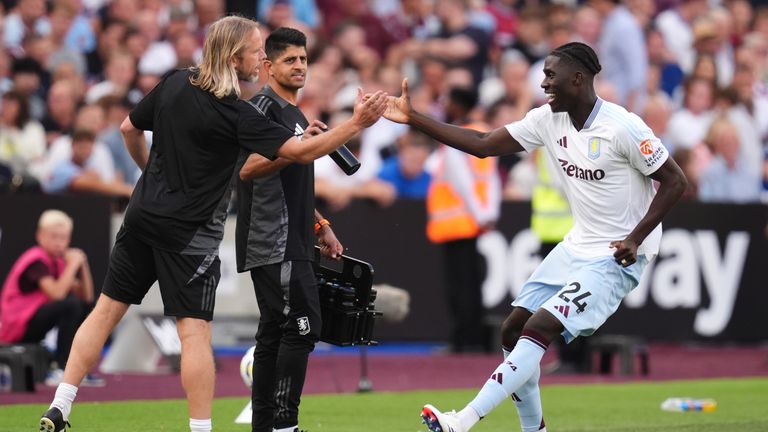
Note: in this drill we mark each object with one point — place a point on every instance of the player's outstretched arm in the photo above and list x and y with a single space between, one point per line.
480 144
672 184
258 166
366 113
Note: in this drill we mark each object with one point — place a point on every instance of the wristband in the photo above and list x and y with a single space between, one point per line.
319 225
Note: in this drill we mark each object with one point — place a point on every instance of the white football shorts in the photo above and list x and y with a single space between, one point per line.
580 292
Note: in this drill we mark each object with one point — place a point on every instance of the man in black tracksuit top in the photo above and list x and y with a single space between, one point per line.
276 228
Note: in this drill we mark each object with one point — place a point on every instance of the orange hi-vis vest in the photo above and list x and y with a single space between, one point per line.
448 215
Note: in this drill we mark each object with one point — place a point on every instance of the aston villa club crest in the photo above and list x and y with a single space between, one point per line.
593 149
303 324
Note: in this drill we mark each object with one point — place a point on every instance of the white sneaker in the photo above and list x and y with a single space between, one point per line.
54 377
438 421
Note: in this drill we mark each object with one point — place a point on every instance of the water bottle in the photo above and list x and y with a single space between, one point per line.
5 378
689 404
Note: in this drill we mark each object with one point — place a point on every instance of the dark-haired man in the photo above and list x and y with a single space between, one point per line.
276 229
605 158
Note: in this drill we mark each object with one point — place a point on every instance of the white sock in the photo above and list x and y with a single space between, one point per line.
200 425
288 429
528 403
65 395
468 417
511 374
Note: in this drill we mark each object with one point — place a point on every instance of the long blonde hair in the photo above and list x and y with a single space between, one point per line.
226 38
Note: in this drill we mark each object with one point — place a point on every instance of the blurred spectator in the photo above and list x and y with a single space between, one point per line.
531 34
22 139
91 118
76 176
26 75
62 110
116 109
337 189
622 53
676 26
457 43
586 25
80 36
657 113
340 12
159 57
206 11
412 19
6 83
505 14
557 35
688 126
188 53
511 86
28 17
498 115
305 11
687 159
711 39
49 286
726 178
742 16
463 202
669 73
63 19
406 169
426 97
643 10
119 74
110 40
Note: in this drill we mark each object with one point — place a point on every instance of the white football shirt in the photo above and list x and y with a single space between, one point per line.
603 169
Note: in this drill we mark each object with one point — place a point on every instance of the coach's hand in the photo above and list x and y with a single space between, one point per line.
315 128
368 110
330 246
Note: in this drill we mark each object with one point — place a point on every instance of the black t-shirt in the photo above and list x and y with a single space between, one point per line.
179 203
275 215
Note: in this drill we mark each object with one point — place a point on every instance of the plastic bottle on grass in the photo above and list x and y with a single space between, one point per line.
689 404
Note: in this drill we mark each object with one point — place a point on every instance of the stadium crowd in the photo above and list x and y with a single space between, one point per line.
695 70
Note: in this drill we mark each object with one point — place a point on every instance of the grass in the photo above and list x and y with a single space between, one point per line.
634 407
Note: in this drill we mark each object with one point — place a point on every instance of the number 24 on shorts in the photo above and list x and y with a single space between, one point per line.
577 301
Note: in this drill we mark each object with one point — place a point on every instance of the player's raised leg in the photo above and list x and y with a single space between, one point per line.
86 350
520 366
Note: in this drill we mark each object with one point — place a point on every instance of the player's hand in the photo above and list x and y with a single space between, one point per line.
399 108
369 109
626 251
330 247
315 128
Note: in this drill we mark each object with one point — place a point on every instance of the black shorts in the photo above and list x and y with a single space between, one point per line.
288 296
187 282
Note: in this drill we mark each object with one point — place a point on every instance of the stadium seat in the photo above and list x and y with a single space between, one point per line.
626 347
28 364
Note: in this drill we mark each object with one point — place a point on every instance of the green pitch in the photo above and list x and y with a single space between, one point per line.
742 407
